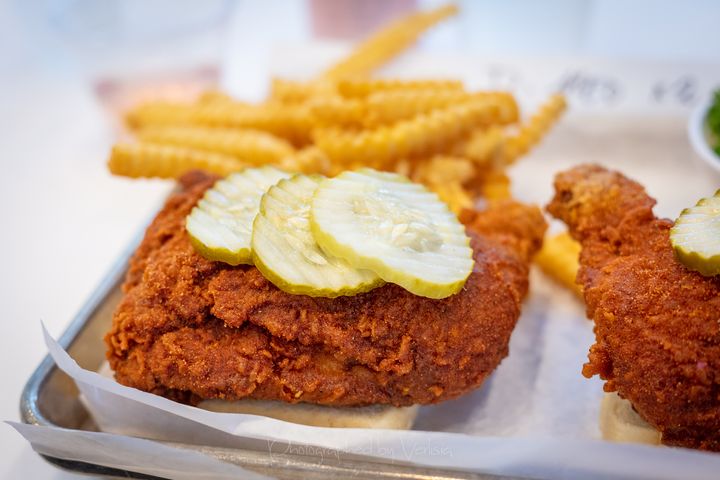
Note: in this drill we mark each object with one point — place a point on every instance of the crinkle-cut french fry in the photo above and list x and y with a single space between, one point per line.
164 161
387 43
252 146
390 106
492 148
210 96
338 112
291 91
509 108
421 135
404 166
160 113
559 259
445 175
452 169
361 88
308 160
163 112
531 132
483 147
385 107
454 195
496 186
442 169
291 122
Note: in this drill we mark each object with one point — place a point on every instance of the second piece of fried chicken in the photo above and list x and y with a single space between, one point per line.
657 323
190 329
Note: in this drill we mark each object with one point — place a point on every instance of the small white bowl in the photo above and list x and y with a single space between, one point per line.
699 136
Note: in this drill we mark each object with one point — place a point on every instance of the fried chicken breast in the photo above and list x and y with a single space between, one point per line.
657 324
190 329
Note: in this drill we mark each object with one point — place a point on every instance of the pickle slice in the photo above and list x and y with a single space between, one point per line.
398 229
695 237
220 226
286 253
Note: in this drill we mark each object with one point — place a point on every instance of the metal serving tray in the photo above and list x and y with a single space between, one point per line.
50 398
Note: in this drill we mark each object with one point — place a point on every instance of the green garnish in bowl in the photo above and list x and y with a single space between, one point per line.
713 123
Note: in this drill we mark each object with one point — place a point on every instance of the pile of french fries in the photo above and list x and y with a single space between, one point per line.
434 131
457 142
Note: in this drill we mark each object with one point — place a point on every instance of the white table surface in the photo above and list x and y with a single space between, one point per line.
64 219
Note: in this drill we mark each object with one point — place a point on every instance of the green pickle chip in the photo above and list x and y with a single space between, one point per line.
695 237
286 252
398 229
220 226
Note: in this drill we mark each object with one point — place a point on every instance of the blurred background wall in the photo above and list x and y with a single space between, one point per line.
123 35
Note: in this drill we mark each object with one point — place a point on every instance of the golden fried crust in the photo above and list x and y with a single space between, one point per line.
190 328
657 324
518 227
